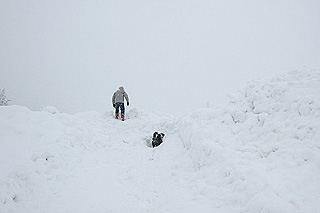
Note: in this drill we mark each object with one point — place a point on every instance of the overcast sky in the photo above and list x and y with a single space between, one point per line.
170 55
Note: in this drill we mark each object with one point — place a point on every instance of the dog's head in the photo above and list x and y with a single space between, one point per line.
155 134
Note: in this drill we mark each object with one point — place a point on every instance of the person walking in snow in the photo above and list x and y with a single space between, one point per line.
118 102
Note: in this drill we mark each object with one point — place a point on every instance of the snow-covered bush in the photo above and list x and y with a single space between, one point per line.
3 99
51 109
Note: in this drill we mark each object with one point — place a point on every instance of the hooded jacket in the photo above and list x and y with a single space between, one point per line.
119 95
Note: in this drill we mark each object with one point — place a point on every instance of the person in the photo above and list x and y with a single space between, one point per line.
118 102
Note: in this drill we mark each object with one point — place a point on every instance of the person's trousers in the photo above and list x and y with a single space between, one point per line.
121 106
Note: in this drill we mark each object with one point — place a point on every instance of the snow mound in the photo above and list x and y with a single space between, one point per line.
262 152
46 158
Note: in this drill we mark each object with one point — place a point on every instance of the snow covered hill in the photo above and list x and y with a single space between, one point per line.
259 154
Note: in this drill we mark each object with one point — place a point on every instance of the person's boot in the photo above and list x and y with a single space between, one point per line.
117 115
122 117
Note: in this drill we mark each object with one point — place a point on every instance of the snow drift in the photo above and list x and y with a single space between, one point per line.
262 152
259 154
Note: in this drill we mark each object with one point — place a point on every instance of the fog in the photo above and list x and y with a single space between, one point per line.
170 56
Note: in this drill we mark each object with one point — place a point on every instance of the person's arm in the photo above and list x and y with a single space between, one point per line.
127 98
113 98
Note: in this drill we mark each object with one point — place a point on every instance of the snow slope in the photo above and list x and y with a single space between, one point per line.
259 154
262 152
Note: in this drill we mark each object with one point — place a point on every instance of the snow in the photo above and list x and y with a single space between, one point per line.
261 153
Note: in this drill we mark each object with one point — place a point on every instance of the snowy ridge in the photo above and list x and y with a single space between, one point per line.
259 154
263 150
44 152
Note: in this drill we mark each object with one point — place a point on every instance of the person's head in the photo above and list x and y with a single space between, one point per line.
121 88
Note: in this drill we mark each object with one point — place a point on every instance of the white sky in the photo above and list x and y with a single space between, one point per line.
170 56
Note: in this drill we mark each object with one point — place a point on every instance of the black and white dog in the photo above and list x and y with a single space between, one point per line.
157 139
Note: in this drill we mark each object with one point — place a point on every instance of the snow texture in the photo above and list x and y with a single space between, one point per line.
259 154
